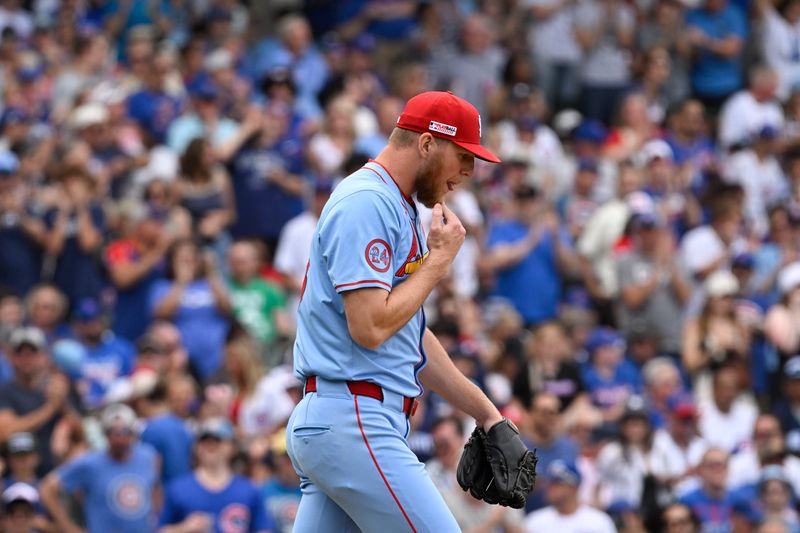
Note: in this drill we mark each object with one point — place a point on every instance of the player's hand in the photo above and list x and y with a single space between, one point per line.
446 236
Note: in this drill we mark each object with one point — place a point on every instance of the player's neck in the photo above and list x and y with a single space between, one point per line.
400 164
214 477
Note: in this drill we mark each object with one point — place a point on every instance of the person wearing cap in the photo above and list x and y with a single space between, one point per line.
787 407
678 445
37 399
609 378
527 255
576 206
213 497
20 513
716 335
135 261
23 459
22 232
281 493
758 170
118 484
206 119
116 481
108 357
776 499
653 284
566 514
369 272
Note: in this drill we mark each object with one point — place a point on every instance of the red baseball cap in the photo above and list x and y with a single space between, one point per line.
445 115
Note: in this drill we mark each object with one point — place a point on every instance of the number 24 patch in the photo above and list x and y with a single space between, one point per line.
378 255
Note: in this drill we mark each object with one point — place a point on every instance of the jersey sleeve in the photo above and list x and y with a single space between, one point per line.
358 240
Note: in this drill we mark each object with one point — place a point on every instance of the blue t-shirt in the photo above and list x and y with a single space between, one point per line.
235 509
154 111
711 74
715 515
20 256
608 392
533 285
250 170
173 441
200 323
112 358
281 503
369 235
117 496
564 449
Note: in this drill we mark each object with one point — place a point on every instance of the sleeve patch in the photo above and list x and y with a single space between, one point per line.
378 255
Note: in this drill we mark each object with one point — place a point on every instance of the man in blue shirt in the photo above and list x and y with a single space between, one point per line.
108 357
168 434
213 498
525 253
550 445
118 485
712 502
716 32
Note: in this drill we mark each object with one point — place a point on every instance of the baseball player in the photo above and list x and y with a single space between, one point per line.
363 350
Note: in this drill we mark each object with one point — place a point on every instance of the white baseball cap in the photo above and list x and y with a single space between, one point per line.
721 283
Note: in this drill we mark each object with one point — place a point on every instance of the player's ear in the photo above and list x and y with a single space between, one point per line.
426 144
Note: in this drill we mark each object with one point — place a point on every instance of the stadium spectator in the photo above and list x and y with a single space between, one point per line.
565 513
712 502
528 254
195 297
118 484
36 400
544 433
168 434
213 496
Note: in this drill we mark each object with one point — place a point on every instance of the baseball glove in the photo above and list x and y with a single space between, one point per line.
497 467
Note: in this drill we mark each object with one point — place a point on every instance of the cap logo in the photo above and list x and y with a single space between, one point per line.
446 129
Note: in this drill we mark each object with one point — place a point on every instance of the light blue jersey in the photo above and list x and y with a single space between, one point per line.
368 235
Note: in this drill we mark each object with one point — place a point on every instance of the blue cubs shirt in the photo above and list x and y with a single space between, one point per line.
368 235
715 515
117 496
235 509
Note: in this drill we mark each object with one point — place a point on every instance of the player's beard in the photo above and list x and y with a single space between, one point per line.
427 181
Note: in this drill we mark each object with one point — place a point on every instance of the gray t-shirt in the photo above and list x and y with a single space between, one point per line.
661 312
606 64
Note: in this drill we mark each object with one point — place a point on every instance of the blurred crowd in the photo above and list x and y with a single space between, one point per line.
628 293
